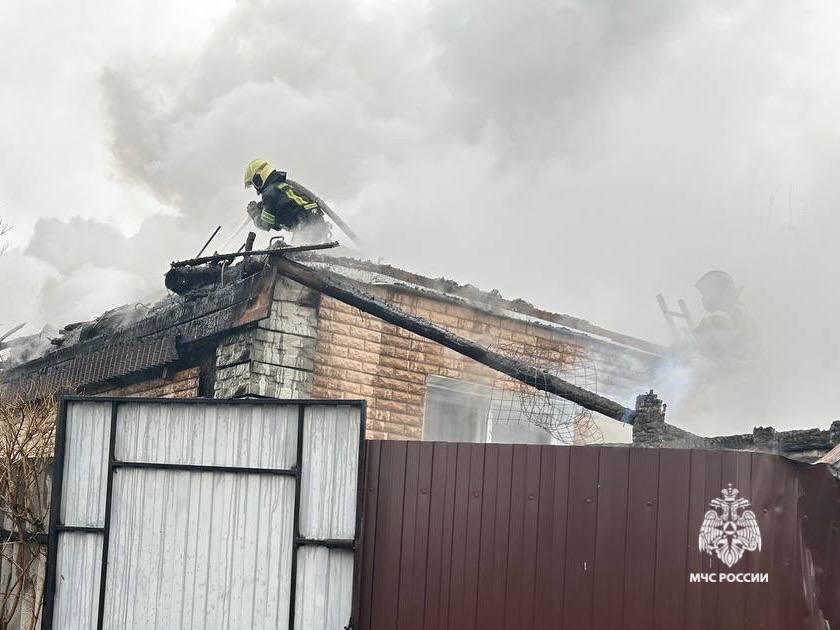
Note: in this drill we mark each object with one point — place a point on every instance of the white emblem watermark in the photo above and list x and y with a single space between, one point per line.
730 528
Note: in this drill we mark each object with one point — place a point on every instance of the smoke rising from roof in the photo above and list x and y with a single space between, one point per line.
583 156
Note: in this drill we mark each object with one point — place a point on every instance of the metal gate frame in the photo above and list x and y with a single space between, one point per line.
56 527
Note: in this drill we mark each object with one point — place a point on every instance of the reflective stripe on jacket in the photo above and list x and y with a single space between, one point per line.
283 205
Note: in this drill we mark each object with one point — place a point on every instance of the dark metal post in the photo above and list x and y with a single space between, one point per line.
106 534
357 536
296 517
55 514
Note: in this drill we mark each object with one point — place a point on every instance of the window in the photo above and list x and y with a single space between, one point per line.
458 411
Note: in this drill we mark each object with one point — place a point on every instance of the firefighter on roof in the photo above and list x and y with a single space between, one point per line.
283 205
728 331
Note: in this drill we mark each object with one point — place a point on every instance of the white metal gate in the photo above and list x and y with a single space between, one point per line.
204 514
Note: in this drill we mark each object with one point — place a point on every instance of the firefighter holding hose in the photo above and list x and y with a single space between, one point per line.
284 205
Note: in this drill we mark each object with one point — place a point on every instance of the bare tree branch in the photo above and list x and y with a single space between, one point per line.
5 228
27 433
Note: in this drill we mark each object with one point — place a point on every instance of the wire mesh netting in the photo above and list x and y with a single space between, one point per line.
516 407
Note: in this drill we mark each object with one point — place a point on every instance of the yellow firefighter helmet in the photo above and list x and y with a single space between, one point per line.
257 172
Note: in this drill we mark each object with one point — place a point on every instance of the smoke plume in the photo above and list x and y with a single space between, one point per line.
584 156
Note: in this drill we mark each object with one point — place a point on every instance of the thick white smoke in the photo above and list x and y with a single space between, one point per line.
584 156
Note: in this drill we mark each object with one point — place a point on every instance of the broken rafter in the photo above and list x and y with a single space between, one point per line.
209 240
338 288
9 334
260 252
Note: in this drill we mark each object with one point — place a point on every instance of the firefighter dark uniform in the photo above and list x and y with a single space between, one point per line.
282 205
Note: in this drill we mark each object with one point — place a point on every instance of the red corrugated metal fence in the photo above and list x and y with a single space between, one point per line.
463 536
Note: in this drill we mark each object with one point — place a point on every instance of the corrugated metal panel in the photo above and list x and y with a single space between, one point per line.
473 536
209 550
86 464
324 589
251 436
329 475
77 592
202 501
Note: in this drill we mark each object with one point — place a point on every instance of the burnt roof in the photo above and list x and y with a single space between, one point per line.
135 338
490 301
111 346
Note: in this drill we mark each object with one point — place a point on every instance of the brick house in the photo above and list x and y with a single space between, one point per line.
257 333
261 334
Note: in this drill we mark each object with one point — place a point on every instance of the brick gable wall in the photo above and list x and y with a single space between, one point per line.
359 356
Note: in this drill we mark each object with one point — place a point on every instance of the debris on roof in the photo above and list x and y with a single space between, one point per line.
138 336
198 287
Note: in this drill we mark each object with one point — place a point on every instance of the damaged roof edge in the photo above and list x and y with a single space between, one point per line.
200 314
490 301
817 446
575 334
98 359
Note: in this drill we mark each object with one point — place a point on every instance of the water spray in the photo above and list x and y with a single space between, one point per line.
236 232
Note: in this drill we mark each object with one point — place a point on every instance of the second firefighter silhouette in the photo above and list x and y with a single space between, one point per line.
727 333
284 205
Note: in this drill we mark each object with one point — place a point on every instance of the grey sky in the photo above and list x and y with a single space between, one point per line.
584 156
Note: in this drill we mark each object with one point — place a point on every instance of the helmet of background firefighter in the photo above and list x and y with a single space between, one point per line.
718 290
257 172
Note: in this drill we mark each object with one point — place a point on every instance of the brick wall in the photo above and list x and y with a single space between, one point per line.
313 346
182 384
276 357
359 356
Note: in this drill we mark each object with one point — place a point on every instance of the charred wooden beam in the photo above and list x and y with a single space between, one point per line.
12 331
339 288
194 262
182 280
8 334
